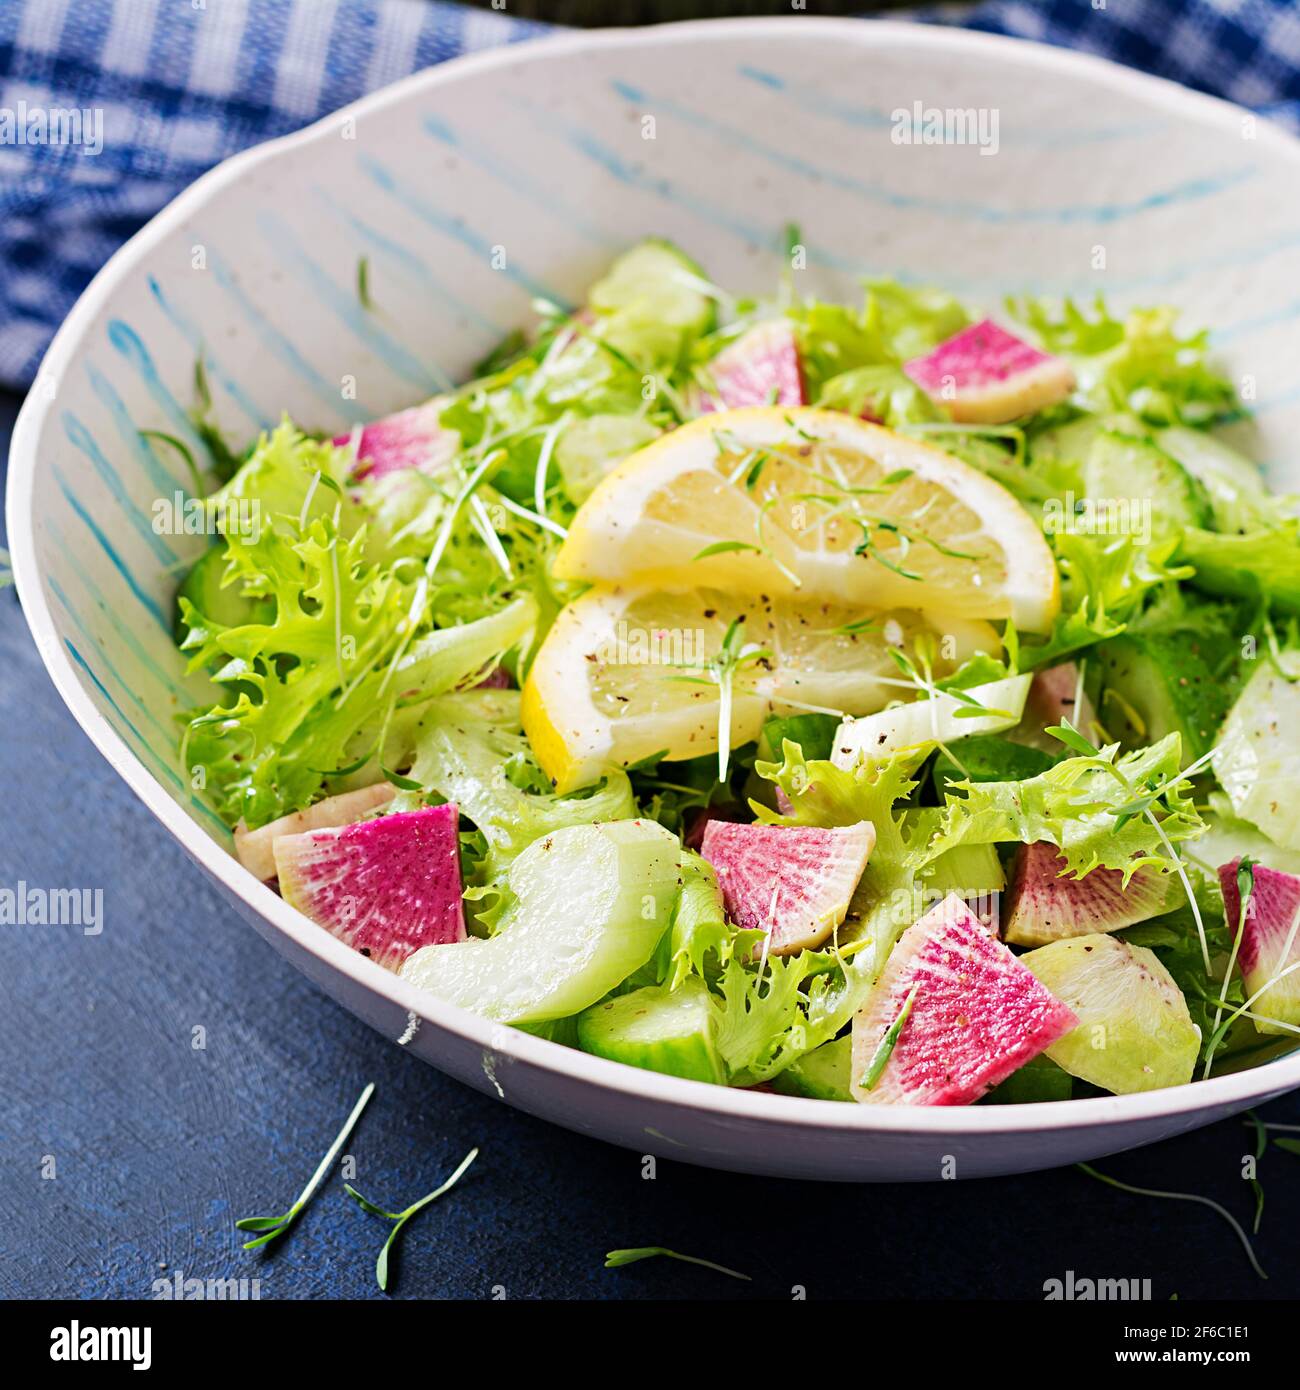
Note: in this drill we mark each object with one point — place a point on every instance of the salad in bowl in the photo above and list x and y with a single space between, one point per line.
870 702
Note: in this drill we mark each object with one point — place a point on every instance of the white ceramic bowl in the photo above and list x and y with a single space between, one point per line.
541 150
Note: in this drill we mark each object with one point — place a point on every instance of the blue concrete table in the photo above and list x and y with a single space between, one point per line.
158 1146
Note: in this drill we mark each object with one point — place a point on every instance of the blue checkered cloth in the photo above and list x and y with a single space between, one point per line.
183 85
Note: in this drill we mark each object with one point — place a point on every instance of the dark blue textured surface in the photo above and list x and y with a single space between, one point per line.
158 1146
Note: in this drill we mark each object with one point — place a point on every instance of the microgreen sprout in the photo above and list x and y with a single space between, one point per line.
922 679
402 1217
349 769
885 1047
724 548
183 449
720 671
869 547
201 387
1257 1187
535 518
616 1259
1216 1038
1181 1197
749 469
858 625
273 1226
404 784
549 440
483 525
1245 892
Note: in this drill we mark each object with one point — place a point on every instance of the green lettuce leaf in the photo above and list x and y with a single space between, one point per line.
1261 565
1079 804
884 393
277 479
349 632
472 751
1136 364
298 679
910 320
701 937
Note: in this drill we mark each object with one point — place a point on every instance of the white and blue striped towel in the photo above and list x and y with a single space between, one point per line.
183 85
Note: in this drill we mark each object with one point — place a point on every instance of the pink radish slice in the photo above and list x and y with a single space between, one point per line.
498 678
255 848
1052 695
412 438
385 887
1270 941
794 882
760 368
985 375
1043 907
977 1014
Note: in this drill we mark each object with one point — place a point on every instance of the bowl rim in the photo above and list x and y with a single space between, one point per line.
1234 1090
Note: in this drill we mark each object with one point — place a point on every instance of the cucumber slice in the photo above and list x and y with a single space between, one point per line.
590 448
1134 1031
1068 444
937 720
1158 685
654 281
590 903
1122 468
669 1031
1039 1079
560 1030
822 1074
1259 746
1260 564
1234 484
227 606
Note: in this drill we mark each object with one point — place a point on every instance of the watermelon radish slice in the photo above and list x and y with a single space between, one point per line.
760 368
793 882
385 887
696 822
255 848
1270 942
1043 907
1053 695
987 376
412 438
976 1015
498 678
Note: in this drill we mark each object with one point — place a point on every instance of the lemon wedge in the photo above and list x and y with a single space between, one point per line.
816 505
629 672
